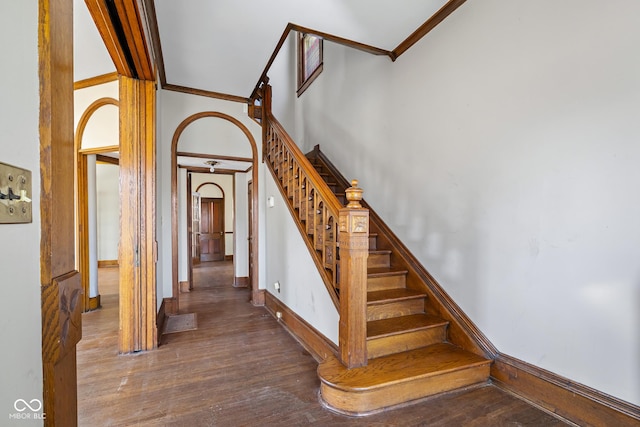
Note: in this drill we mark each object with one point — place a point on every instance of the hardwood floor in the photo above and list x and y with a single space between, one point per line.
240 368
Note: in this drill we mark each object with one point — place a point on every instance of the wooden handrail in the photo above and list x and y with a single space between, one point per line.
310 200
301 159
337 237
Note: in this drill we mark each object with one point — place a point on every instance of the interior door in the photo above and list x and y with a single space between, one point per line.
212 230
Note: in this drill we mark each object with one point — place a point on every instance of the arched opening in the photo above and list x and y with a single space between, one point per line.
86 197
253 203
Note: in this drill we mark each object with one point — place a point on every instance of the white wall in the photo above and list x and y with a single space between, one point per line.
241 234
289 263
20 322
226 183
202 136
503 150
108 215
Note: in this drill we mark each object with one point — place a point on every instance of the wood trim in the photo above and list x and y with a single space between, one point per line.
560 396
462 331
213 156
206 170
341 40
255 295
94 303
97 150
82 223
205 93
101 17
425 28
211 183
161 318
326 36
137 216
107 263
95 81
228 257
154 34
241 282
108 160
170 306
258 297
309 337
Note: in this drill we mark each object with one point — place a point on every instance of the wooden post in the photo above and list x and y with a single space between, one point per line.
354 250
137 255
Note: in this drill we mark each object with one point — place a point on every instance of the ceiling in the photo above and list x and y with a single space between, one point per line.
224 45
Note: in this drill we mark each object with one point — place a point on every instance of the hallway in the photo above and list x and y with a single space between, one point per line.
239 368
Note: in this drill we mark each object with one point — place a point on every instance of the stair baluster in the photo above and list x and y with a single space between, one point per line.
337 236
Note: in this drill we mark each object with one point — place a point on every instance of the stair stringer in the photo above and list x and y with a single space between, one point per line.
462 331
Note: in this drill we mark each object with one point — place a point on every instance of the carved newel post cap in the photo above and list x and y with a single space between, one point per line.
354 195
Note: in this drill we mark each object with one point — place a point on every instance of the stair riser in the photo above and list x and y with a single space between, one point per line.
373 243
378 260
373 400
378 347
386 282
395 309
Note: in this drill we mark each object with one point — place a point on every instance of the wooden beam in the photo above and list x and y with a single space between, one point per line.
123 26
429 25
133 21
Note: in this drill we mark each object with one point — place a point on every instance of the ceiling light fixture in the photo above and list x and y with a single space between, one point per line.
213 164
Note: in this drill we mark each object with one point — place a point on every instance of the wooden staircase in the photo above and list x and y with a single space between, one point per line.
408 342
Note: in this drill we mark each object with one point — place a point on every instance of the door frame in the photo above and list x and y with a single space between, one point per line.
171 304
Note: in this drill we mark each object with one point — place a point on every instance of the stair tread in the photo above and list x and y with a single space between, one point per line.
384 271
395 325
436 359
397 294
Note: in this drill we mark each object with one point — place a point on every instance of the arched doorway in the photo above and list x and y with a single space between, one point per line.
253 240
91 298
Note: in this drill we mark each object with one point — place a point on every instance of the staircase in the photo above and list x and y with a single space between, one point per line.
409 346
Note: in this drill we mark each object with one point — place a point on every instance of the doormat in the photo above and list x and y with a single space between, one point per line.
180 323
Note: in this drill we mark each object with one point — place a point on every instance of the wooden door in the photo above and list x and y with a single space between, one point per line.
212 230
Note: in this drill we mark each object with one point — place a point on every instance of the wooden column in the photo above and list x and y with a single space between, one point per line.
354 251
137 257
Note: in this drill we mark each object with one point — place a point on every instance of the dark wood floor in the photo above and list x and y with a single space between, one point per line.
239 368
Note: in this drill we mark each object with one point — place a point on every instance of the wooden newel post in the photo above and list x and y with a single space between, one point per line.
354 251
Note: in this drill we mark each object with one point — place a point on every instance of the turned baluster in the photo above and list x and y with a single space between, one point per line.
353 240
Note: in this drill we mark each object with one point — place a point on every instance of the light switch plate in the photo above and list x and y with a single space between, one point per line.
15 195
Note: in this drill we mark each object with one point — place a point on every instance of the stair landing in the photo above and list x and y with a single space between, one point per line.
399 378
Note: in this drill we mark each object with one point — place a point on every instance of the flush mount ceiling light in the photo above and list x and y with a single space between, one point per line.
212 164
